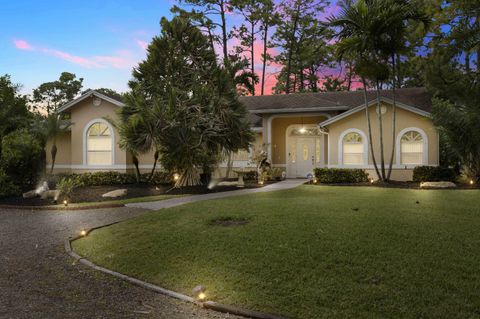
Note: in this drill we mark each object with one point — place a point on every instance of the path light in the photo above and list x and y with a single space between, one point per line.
65 203
83 232
371 180
314 180
260 182
199 293
176 177
471 182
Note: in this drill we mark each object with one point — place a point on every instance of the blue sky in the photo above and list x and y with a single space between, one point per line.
99 40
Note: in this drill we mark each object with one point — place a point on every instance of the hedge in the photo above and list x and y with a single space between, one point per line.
340 175
111 178
434 174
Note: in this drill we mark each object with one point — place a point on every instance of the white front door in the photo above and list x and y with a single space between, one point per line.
301 157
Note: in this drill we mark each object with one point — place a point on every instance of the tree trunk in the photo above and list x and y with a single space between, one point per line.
369 125
349 78
137 170
290 51
394 120
224 33
189 177
53 152
265 41
155 157
380 127
252 26
229 165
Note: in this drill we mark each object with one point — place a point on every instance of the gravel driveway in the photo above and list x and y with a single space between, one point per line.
39 280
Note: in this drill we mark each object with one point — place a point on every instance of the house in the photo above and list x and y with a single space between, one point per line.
298 131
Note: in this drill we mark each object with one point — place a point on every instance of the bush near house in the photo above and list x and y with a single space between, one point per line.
340 175
110 178
434 174
7 187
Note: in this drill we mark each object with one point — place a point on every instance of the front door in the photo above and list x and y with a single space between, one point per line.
301 156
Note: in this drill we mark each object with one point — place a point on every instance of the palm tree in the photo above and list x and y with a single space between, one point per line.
51 127
358 38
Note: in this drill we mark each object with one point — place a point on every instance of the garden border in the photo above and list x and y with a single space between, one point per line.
60 207
212 305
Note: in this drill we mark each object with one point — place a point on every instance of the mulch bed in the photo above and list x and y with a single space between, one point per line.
94 193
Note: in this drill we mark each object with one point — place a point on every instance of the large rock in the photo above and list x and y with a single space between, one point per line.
52 194
437 185
116 193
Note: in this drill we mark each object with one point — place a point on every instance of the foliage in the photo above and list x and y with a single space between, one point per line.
110 178
184 104
340 175
22 158
110 93
274 174
434 174
7 187
338 250
66 186
51 95
14 112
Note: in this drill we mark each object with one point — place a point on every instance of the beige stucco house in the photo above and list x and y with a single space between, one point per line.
298 131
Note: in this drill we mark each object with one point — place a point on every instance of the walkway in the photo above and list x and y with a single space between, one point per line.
286 184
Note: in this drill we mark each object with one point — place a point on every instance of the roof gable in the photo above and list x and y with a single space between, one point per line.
362 107
88 94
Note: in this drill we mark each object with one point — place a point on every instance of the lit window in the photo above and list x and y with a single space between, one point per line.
99 144
411 148
353 149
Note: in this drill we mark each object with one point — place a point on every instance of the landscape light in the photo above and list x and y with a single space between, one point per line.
471 182
371 180
260 182
65 203
314 180
176 177
83 232
199 293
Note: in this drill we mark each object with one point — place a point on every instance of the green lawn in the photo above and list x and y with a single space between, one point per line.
312 252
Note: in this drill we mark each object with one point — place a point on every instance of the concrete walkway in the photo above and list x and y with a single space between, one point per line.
156 205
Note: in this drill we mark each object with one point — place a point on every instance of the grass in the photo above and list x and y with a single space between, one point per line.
312 252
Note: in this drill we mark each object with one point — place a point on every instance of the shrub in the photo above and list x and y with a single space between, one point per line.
274 174
340 175
66 186
7 187
250 176
22 158
434 174
110 178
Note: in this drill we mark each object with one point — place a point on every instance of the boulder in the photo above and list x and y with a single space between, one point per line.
116 193
30 194
437 185
53 194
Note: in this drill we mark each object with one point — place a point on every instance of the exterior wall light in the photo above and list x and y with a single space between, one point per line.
302 130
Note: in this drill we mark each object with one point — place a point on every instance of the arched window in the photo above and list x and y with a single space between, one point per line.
99 144
411 148
353 149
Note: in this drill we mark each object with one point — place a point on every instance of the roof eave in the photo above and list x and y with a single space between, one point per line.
362 107
296 110
85 96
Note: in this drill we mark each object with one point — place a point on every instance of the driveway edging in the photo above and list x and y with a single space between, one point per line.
212 305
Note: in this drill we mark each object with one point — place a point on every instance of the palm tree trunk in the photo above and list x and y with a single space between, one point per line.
370 138
189 177
137 170
155 157
53 152
264 67
394 120
380 126
229 165
252 52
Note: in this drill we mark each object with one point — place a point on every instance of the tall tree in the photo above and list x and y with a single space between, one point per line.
189 101
268 18
50 95
298 27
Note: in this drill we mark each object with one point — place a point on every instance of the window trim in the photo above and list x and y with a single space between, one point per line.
365 148
85 138
398 149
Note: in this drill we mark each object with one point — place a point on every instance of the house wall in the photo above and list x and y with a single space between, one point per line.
64 151
404 119
279 129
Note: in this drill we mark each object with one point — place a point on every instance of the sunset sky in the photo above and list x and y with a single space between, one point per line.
100 41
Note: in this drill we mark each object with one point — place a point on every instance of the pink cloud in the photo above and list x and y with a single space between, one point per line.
85 62
142 44
22 45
